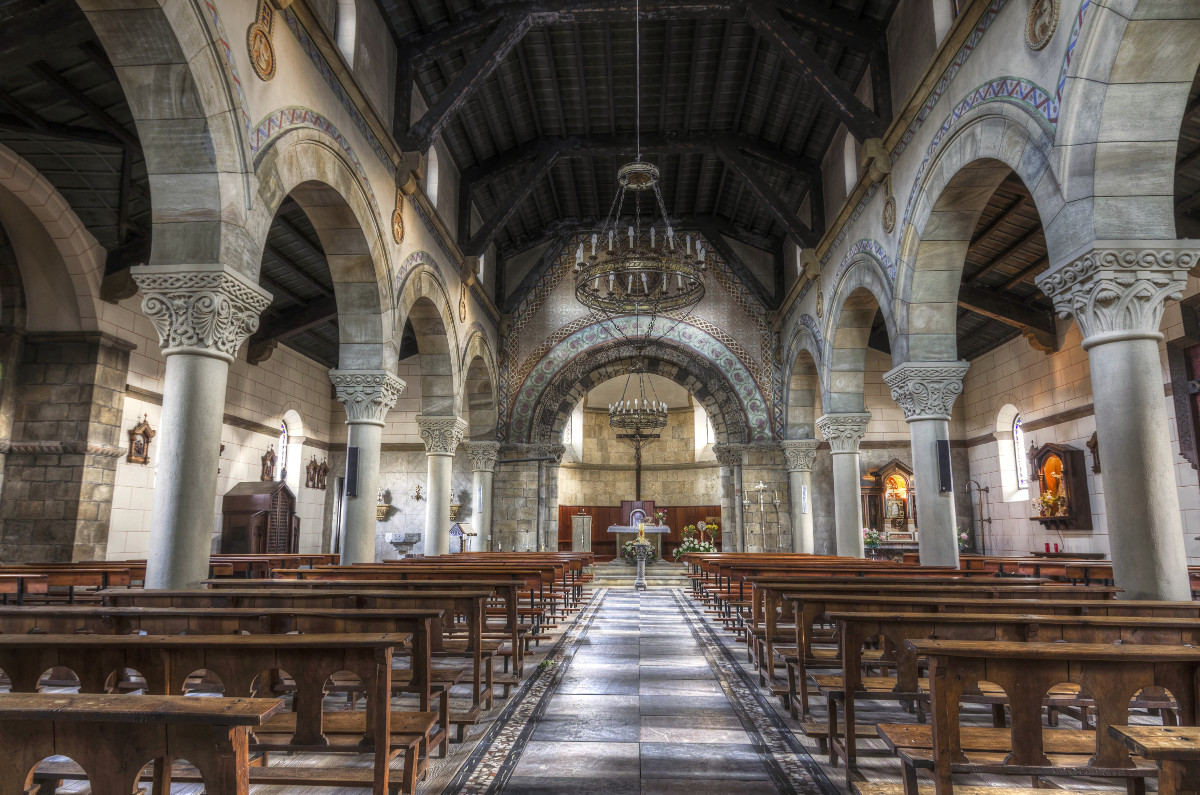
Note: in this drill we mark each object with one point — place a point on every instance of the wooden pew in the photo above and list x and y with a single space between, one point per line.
19 585
1175 749
112 738
72 576
1110 674
166 662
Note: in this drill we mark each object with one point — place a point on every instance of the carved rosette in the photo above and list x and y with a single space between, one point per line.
368 395
926 390
1118 291
206 310
728 455
483 455
844 431
441 434
799 454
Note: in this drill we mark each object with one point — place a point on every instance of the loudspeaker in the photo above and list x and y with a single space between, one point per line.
351 471
945 478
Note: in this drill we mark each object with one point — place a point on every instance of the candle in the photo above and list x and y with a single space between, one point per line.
1047 546
1056 547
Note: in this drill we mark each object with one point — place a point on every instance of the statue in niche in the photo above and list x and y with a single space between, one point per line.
268 465
139 442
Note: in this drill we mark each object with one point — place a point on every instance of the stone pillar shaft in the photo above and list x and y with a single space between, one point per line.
442 435
483 463
729 456
926 391
800 454
844 432
1116 292
548 495
202 314
367 395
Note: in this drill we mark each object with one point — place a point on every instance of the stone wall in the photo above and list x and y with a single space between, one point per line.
62 455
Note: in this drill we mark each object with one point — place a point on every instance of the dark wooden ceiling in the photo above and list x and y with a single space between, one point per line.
1187 169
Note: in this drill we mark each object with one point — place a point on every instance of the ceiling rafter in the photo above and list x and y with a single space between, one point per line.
1037 325
767 195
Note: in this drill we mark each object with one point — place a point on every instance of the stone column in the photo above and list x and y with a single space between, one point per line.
368 396
926 391
441 435
483 465
799 455
844 432
548 496
1116 292
203 314
729 456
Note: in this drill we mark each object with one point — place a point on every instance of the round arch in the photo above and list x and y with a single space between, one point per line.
983 147
706 383
425 304
1137 60
863 288
802 381
479 388
187 103
317 177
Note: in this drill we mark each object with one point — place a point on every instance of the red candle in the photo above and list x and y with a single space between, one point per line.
1056 547
1047 546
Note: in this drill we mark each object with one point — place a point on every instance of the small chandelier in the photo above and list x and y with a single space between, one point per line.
639 268
637 417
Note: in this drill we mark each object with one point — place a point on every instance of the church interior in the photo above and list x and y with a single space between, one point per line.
440 396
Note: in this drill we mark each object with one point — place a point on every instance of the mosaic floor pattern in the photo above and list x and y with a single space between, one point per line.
639 696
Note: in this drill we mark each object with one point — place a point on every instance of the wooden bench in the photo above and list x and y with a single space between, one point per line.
1111 675
1175 749
113 737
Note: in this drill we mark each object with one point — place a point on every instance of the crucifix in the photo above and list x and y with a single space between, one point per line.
638 442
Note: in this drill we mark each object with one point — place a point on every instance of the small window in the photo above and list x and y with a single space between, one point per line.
281 460
345 29
431 176
1021 464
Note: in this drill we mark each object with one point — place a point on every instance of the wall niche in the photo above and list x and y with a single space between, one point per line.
1060 475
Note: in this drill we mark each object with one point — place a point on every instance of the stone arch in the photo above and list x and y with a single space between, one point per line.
479 396
980 150
304 166
187 102
60 263
802 383
1137 61
707 384
862 289
424 304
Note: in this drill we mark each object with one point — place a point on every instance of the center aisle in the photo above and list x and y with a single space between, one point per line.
642 697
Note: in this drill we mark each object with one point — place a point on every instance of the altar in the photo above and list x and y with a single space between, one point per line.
654 534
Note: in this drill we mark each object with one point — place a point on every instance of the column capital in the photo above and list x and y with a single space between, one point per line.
368 395
483 455
202 310
728 455
555 451
441 434
1117 290
799 454
926 390
844 431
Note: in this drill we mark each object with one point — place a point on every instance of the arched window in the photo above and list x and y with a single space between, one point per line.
850 162
281 459
431 176
345 29
1021 464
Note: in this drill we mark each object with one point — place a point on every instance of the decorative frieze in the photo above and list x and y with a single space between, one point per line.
1118 290
205 310
799 454
926 390
441 434
368 395
844 431
483 455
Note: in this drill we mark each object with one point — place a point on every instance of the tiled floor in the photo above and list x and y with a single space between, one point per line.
641 706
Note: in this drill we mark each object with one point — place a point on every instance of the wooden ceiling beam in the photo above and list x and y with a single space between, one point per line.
89 106
1002 257
708 227
836 24
860 120
291 265
769 198
309 316
1036 325
1027 273
479 241
62 132
1005 216
506 35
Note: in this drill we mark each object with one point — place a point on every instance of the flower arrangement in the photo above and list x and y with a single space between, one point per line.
629 554
964 541
692 544
660 517
1048 504
871 538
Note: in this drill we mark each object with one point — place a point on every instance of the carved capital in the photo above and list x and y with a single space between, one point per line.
844 431
1118 290
799 454
926 390
483 455
368 395
728 455
554 451
441 434
206 310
